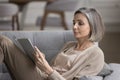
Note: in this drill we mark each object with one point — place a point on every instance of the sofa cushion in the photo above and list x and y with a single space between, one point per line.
105 71
115 75
48 44
0 68
3 68
5 76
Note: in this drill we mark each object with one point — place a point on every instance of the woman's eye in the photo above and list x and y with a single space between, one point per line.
80 23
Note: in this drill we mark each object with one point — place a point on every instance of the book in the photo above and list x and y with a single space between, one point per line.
25 45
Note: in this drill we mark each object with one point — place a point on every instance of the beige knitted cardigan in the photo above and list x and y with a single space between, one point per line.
89 63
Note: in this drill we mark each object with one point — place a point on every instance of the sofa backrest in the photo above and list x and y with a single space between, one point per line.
49 42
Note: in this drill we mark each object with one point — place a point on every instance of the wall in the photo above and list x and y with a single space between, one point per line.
111 46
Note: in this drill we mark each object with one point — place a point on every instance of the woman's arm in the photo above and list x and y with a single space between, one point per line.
41 62
43 65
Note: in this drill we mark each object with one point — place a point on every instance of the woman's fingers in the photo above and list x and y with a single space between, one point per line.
39 52
38 55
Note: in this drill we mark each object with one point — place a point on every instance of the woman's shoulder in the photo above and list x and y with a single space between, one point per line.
96 50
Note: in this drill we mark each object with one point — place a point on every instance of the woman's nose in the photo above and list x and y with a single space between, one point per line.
75 26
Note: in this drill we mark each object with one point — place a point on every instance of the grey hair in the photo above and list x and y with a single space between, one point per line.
95 21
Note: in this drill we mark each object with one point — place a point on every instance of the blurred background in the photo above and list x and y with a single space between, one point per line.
32 11
31 14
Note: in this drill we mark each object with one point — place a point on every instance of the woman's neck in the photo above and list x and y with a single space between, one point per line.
83 44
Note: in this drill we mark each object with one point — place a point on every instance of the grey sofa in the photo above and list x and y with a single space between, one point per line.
50 42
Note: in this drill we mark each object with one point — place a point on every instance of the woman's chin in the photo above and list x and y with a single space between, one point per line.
77 37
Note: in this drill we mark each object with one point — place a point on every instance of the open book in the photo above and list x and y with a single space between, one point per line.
25 45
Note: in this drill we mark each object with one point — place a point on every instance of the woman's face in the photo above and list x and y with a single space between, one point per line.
81 27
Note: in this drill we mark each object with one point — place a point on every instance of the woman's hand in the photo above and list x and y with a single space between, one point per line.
41 62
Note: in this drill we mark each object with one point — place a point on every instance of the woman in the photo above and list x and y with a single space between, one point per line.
76 59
